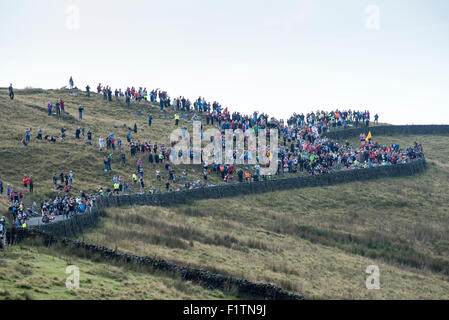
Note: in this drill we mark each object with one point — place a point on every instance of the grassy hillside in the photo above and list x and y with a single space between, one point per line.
313 241
42 159
35 272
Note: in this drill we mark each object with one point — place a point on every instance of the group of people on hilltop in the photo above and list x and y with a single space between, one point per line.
131 93
142 94
336 119
214 113
302 147
181 104
313 157
199 105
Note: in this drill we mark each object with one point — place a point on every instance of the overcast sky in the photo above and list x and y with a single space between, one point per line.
280 57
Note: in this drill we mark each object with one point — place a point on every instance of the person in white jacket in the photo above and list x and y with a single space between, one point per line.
101 142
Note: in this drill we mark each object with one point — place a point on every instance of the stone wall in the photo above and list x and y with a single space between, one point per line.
61 231
203 277
71 226
77 224
236 189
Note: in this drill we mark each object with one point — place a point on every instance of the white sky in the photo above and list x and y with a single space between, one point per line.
273 56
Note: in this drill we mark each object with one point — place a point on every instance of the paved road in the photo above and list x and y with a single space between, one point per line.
38 220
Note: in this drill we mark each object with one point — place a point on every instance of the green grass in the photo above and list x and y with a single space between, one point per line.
34 272
313 241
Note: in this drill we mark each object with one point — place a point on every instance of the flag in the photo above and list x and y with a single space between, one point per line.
368 137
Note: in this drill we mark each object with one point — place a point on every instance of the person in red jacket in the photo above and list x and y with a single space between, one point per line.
61 103
25 182
31 182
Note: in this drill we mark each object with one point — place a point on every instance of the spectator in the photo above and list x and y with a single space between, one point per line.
25 182
11 92
27 135
31 183
58 109
101 143
80 112
61 103
39 134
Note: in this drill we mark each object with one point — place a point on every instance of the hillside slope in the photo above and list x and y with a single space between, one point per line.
30 271
316 242
43 159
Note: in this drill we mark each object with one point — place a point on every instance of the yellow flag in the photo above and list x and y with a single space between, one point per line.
368 136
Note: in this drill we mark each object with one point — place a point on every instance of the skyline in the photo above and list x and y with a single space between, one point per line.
278 58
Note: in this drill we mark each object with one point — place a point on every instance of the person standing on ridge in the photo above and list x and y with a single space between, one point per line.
128 99
61 103
71 83
58 109
87 91
11 92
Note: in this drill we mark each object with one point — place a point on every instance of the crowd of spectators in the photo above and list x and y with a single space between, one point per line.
63 205
302 148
